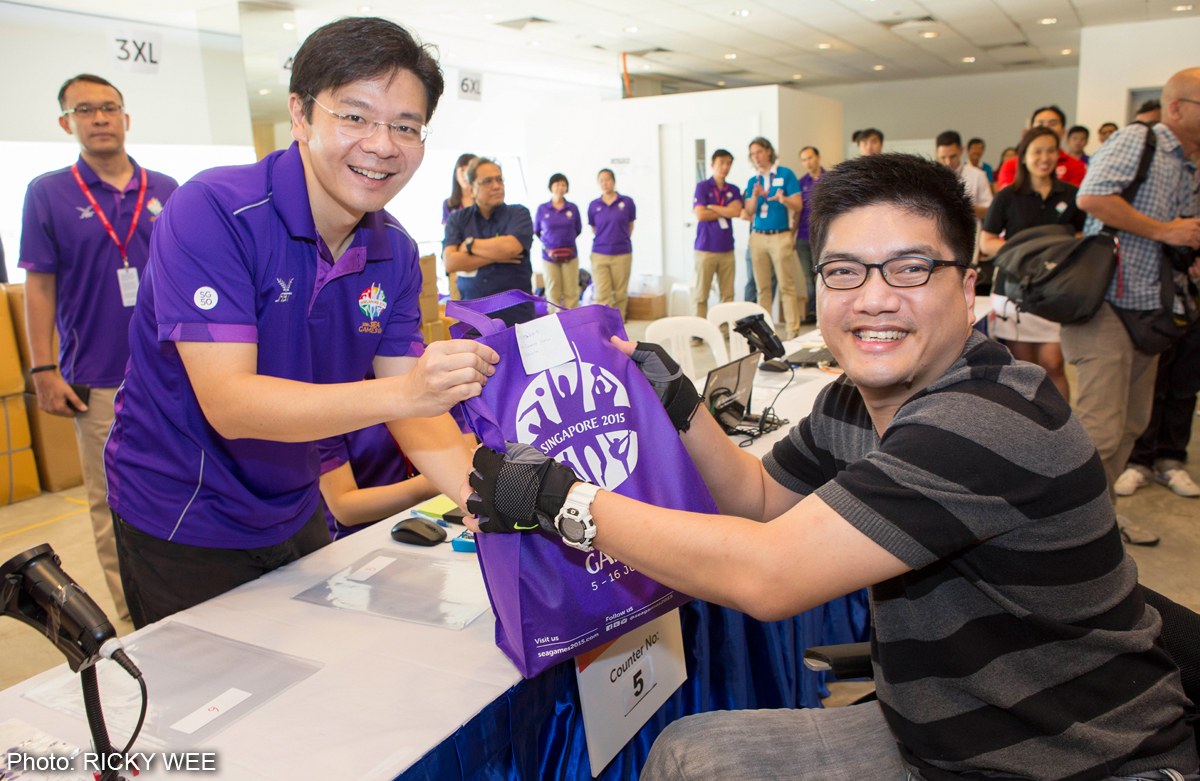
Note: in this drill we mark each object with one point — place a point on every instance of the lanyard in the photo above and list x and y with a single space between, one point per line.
719 193
112 234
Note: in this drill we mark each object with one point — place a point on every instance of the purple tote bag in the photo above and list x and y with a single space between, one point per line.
597 414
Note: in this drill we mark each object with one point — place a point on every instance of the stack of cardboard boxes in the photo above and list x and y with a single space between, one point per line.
40 452
432 327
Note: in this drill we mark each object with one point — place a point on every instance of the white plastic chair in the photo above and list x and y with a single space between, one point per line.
679 303
728 314
676 334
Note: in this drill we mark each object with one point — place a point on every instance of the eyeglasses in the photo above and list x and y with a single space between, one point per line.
898 272
499 180
411 134
87 112
1188 100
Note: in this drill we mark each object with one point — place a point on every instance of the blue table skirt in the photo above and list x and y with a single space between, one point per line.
535 730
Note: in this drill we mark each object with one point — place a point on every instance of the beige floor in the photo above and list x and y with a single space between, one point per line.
61 520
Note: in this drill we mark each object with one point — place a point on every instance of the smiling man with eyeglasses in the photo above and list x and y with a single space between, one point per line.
271 292
85 239
1009 636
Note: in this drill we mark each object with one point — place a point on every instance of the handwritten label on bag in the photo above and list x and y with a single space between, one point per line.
368 570
210 710
543 344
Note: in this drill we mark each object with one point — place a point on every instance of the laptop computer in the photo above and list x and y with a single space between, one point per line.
727 391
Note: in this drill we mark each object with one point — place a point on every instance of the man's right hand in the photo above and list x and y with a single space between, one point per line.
1182 232
55 395
447 373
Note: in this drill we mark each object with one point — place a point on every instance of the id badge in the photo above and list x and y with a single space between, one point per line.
724 223
777 182
763 211
127 278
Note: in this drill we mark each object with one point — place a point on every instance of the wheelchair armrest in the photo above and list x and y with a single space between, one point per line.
851 660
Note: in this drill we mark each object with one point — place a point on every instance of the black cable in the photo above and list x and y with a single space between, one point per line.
768 421
95 718
119 656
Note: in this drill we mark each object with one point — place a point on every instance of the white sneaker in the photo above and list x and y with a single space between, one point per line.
1179 481
1131 479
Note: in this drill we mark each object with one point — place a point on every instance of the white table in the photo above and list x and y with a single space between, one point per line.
389 690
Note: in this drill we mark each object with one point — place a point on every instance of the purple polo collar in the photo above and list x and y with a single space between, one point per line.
91 178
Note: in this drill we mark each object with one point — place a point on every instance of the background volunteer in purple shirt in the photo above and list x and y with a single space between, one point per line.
461 194
85 238
488 244
558 225
611 217
716 203
810 159
271 290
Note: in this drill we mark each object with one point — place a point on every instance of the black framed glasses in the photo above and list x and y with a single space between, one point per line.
410 134
908 271
87 112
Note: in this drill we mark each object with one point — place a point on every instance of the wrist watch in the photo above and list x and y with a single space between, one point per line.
574 521
467 244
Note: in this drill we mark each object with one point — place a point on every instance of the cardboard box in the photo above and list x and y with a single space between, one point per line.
428 274
54 447
16 309
433 332
18 470
539 282
12 380
646 307
429 307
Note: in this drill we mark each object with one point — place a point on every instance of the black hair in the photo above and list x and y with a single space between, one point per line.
474 167
949 138
558 178
358 49
1079 129
85 77
922 187
862 135
765 144
721 153
1149 105
816 151
608 171
1021 177
456 194
1113 125
1062 117
1006 150
975 141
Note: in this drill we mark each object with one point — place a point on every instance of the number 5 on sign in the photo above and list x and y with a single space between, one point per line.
623 683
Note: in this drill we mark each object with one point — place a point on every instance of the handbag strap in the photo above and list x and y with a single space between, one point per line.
475 312
1148 150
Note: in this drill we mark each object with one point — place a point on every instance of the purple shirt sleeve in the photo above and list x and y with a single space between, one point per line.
402 334
199 266
39 247
332 452
578 222
632 209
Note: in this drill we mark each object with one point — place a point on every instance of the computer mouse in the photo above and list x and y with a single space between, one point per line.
418 531
776 365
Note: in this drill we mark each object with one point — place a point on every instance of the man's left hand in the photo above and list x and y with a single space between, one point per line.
523 490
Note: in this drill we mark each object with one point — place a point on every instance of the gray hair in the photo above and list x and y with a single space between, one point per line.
474 166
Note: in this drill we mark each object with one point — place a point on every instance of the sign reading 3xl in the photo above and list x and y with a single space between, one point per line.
136 50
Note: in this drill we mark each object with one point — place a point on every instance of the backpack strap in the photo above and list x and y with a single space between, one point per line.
1148 149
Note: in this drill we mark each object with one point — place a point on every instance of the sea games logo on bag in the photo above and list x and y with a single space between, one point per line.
576 414
372 302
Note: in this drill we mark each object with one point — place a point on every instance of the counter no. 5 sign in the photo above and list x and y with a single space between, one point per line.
470 85
136 50
622 684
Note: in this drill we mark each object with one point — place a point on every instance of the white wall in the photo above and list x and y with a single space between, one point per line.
1116 59
992 106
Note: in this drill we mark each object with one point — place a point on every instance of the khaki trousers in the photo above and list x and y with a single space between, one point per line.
611 275
776 251
91 431
562 282
709 264
1114 387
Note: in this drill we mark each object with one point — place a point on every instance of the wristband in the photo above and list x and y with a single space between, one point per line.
47 368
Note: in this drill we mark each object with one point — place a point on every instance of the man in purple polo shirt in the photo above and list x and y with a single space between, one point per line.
85 237
810 158
271 291
716 203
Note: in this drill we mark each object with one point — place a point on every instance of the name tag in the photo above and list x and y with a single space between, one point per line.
724 223
127 279
777 181
763 211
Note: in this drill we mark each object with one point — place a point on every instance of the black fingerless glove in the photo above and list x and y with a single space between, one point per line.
676 391
522 490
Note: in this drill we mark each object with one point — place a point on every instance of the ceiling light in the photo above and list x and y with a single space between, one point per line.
1182 8
731 56
742 13
878 67
364 9
1066 51
968 59
824 45
645 67
797 75
264 91
720 84
1049 20
289 26
531 43
929 34
630 29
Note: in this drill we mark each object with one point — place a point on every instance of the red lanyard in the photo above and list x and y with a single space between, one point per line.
719 193
112 234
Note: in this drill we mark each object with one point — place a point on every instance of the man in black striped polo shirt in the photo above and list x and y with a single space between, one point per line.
1009 638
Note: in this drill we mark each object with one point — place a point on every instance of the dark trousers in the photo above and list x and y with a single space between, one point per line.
161 577
1175 390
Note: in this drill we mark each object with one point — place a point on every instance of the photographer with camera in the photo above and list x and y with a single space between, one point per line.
1114 361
